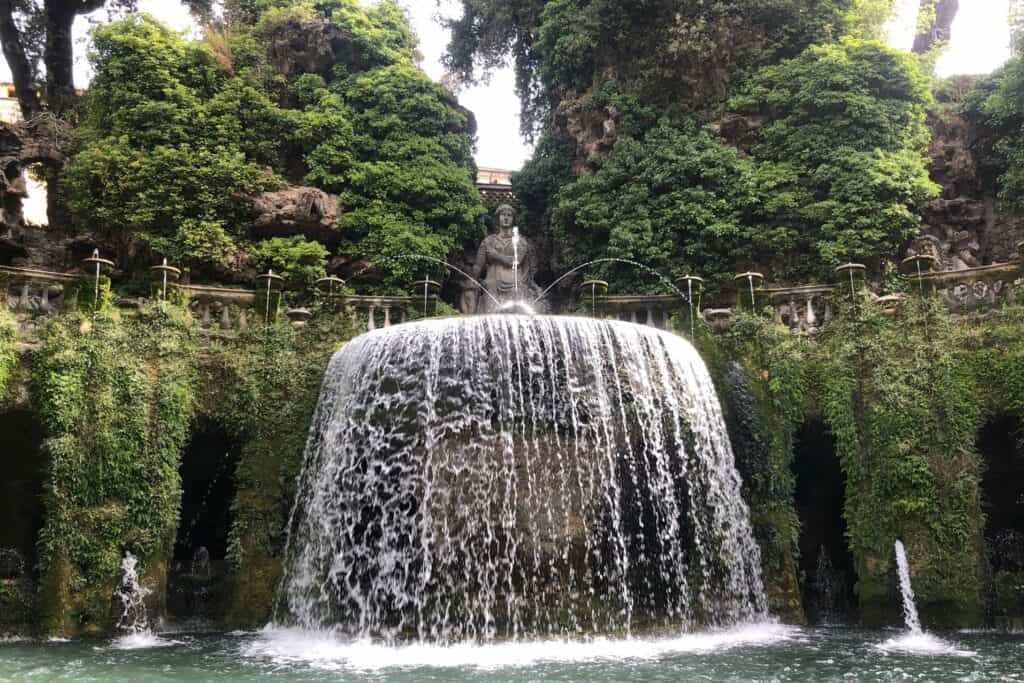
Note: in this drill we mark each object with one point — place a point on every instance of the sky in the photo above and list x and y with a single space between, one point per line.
981 42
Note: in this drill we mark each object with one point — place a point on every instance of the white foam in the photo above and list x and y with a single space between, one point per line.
918 643
326 651
141 641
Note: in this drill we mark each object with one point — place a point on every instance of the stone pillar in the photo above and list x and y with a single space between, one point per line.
812 319
24 303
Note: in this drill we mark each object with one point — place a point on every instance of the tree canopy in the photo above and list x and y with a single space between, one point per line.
178 136
835 173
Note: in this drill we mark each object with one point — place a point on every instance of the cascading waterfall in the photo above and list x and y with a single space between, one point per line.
518 476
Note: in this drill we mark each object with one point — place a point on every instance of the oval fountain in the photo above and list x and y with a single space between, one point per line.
511 476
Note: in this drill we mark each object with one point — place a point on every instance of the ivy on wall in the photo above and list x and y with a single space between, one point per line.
116 397
8 356
905 415
760 374
265 387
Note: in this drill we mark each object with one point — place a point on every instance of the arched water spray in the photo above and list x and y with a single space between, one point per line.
510 476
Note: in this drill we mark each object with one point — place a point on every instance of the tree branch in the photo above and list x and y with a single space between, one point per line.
22 70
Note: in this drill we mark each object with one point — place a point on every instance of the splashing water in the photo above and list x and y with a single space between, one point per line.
512 476
915 640
910 617
133 598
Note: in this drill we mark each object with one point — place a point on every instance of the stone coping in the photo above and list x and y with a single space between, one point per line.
993 272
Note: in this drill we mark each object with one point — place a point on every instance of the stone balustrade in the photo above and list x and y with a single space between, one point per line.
973 289
38 292
653 310
34 291
804 309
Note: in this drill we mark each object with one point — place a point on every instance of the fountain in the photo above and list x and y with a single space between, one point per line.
133 598
910 617
510 476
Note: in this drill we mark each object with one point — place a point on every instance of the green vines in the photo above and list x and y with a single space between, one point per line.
266 385
8 356
763 391
116 397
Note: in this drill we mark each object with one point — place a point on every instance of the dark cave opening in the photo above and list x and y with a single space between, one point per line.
827 571
196 582
21 490
1001 443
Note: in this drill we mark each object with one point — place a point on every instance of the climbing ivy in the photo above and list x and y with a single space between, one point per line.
905 414
760 372
8 356
267 382
116 397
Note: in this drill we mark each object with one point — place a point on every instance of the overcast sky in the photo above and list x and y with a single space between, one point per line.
981 42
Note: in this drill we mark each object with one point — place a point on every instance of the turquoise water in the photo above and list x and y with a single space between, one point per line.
756 653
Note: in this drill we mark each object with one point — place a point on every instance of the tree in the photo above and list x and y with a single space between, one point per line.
40 30
845 123
178 137
681 55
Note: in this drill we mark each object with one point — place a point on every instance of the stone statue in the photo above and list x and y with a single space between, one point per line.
494 265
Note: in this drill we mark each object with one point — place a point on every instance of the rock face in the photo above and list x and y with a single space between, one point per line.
963 227
297 211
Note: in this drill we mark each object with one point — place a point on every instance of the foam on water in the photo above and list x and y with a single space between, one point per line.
323 650
142 640
919 643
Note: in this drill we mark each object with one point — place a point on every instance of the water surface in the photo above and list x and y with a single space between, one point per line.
756 653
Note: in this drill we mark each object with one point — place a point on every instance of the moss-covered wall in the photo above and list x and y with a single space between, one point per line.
904 397
905 412
115 396
263 387
758 371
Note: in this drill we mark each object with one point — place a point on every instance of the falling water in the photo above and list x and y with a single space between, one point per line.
512 476
133 596
906 592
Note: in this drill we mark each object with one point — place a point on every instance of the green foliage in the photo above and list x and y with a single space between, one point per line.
296 259
401 161
159 155
8 356
266 385
905 414
178 136
116 398
676 54
669 201
996 105
844 135
837 170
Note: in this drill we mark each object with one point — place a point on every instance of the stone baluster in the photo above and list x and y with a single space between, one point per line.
794 316
811 319
243 320
402 316
387 316
25 302
633 317
44 301
372 323
204 307
225 318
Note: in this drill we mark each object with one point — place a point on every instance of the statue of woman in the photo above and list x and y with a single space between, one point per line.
494 264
